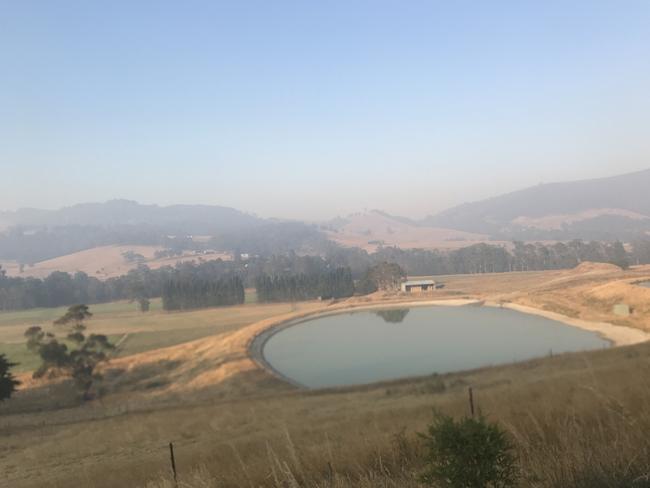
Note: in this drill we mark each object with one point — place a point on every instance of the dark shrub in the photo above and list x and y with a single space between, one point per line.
468 453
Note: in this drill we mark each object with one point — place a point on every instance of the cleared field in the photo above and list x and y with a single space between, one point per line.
41 315
27 361
368 230
145 331
104 262
233 424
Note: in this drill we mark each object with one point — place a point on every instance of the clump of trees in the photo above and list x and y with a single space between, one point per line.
80 361
8 382
337 283
183 292
384 276
468 453
138 289
168 253
640 252
133 257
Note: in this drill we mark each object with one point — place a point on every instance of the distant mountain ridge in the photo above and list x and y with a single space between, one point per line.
600 209
185 219
32 236
616 206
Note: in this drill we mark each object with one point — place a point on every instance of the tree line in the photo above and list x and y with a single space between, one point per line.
183 292
60 288
337 283
291 275
487 258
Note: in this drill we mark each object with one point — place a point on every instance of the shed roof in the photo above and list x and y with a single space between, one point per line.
419 282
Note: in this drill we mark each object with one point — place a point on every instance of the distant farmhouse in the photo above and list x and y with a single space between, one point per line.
419 286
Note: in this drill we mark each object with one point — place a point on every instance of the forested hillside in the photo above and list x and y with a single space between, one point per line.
31 235
606 208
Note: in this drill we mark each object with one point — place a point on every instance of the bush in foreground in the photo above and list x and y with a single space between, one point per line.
8 383
468 453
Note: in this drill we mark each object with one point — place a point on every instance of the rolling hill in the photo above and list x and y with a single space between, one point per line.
173 219
374 228
31 236
604 208
596 209
104 262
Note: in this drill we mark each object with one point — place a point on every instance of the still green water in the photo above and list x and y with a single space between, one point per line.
368 346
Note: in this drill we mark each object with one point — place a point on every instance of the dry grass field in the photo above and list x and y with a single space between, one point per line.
233 424
145 331
103 262
366 230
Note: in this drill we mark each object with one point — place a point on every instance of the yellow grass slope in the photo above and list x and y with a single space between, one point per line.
587 292
204 365
104 262
366 230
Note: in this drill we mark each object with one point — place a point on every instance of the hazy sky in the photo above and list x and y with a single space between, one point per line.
312 109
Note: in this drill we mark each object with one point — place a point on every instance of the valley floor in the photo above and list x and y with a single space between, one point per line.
234 424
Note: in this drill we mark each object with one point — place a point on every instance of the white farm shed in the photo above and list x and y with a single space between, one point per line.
418 286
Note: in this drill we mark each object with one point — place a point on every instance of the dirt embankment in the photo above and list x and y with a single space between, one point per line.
590 293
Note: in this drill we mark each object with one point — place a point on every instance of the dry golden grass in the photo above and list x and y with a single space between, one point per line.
578 420
103 262
122 317
189 364
564 413
587 292
365 230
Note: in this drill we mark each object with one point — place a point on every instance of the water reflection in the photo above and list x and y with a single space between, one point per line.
365 346
394 316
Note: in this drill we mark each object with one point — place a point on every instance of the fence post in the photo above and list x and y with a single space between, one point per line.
171 454
471 402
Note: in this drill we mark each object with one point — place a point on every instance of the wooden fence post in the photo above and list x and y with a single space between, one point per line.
171 454
471 402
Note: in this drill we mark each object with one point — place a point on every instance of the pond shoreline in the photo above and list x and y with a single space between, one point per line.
255 347
616 335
